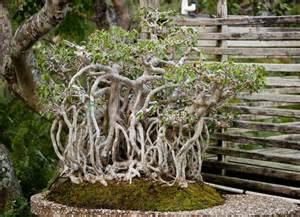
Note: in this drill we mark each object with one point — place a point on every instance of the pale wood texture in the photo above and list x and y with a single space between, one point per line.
242 20
250 39
254 185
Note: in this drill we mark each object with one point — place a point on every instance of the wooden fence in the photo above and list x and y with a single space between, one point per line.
262 150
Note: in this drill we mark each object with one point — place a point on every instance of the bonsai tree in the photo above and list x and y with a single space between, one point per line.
137 108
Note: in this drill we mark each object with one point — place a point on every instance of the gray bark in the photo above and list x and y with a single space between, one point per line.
123 14
100 9
5 37
39 24
15 50
9 185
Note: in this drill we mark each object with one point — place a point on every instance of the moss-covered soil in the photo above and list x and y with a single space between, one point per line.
141 195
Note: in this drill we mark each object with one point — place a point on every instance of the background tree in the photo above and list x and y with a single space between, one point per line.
16 49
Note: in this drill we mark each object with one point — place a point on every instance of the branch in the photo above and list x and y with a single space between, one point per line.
39 24
5 37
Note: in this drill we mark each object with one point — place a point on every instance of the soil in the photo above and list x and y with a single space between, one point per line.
141 194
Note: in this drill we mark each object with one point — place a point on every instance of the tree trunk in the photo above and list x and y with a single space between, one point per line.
5 38
14 57
9 185
100 9
123 14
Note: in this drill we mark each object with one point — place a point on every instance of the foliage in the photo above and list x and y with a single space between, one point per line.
117 45
21 10
19 208
125 100
26 135
78 24
255 7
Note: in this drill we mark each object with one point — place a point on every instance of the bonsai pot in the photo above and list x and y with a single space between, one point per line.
235 205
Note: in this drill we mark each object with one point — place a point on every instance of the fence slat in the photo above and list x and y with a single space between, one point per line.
279 143
266 127
242 20
271 67
253 51
267 111
257 43
256 185
259 57
282 82
250 36
282 90
248 43
245 29
271 97
253 169
274 165
253 155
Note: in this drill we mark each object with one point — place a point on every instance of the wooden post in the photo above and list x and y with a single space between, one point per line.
149 4
222 11
154 4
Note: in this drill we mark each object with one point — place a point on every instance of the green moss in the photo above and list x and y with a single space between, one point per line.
141 195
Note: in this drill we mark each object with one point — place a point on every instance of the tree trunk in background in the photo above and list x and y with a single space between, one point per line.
14 50
9 185
123 14
5 38
100 9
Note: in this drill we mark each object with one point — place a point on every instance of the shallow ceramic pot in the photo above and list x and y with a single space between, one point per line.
235 205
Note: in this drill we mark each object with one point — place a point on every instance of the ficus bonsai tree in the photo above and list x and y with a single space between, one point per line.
136 107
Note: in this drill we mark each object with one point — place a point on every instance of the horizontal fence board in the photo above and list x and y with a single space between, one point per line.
243 43
260 57
250 36
253 169
282 82
272 67
263 104
293 137
267 164
253 51
267 111
254 58
279 143
250 184
271 97
253 155
206 43
200 29
282 90
241 20
243 29
260 29
249 117
256 43
266 127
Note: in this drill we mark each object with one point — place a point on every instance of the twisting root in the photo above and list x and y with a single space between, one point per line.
114 132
